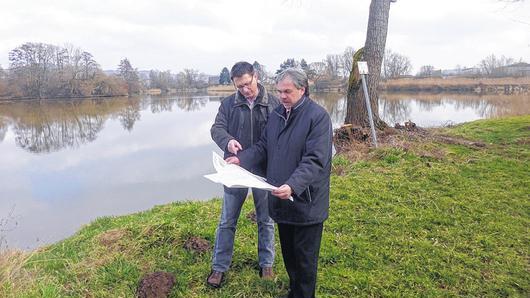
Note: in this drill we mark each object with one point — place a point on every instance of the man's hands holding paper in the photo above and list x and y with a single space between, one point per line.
283 192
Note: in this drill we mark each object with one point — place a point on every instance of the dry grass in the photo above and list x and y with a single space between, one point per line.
458 81
11 268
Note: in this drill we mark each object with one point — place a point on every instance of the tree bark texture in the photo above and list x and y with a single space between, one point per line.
373 53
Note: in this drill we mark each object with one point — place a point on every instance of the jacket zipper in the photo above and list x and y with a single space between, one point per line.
309 194
251 127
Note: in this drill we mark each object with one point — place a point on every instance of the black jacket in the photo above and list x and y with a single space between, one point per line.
298 152
235 120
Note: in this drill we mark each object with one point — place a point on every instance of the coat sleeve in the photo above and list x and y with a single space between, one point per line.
317 155
219 130
256 154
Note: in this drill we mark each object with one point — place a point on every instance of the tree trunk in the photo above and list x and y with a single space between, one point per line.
373 53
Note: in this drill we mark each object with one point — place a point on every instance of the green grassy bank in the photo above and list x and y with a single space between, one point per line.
426 218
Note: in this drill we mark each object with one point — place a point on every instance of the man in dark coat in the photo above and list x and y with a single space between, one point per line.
239 123
297 146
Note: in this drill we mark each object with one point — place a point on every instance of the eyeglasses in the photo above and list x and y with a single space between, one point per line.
246 85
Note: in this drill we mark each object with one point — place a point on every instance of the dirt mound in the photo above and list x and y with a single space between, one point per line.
408 125
156 285
197 244
355 143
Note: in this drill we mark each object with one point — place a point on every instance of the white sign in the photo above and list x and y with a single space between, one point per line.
363 67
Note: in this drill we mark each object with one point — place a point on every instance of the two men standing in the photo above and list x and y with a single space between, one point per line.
238 125
294 151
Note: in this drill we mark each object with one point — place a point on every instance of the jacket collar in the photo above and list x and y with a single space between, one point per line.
294 110
261 99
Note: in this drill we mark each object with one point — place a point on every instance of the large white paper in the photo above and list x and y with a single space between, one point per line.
231 175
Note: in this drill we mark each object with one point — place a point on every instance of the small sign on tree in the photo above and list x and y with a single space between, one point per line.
363 67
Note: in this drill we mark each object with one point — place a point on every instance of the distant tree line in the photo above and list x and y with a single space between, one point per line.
187 79
39 70
489 67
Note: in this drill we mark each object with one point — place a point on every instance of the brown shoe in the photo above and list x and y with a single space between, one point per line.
215 279
266 273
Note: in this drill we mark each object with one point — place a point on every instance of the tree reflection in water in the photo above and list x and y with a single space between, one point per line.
3 128
49 126
334 103
396 107
129 114
192 103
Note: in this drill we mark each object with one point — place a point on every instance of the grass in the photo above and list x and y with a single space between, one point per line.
402 223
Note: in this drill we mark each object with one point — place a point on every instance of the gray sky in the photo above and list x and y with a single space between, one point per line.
210 34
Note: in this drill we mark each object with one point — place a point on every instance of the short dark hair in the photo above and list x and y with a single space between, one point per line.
240 69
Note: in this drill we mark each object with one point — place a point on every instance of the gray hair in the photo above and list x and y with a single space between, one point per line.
297 76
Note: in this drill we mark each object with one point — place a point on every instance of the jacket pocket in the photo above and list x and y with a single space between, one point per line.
306 196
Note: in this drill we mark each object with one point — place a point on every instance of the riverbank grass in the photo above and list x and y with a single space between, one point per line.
427 219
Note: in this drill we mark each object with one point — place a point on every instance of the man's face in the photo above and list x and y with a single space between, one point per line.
247 84
287 92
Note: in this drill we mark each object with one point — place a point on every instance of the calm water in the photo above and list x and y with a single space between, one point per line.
65 163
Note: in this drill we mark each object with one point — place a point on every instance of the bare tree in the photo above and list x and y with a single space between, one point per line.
347 61
492 66
3 82
162 80
318 71
89 66
395 65
334 65
31 65
426 71
372 53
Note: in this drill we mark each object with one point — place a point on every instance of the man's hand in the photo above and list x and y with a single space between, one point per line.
234 146
232 160
283 192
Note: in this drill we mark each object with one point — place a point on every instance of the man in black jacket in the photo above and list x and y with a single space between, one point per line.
239 123
297 146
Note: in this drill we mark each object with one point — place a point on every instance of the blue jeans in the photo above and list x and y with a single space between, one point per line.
224 238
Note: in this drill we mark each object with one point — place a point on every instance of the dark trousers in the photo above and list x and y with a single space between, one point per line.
300 248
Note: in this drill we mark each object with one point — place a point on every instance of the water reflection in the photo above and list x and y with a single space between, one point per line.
439 109
44 127
3 128
64 163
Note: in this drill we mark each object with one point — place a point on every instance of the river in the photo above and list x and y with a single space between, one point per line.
64 163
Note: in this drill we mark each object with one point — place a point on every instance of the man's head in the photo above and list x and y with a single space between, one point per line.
291 85
245 79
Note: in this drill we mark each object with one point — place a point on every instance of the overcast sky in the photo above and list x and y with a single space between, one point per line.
210 34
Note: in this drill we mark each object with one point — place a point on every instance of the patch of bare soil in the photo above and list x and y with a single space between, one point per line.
197 244
111 238
156 285
252 216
